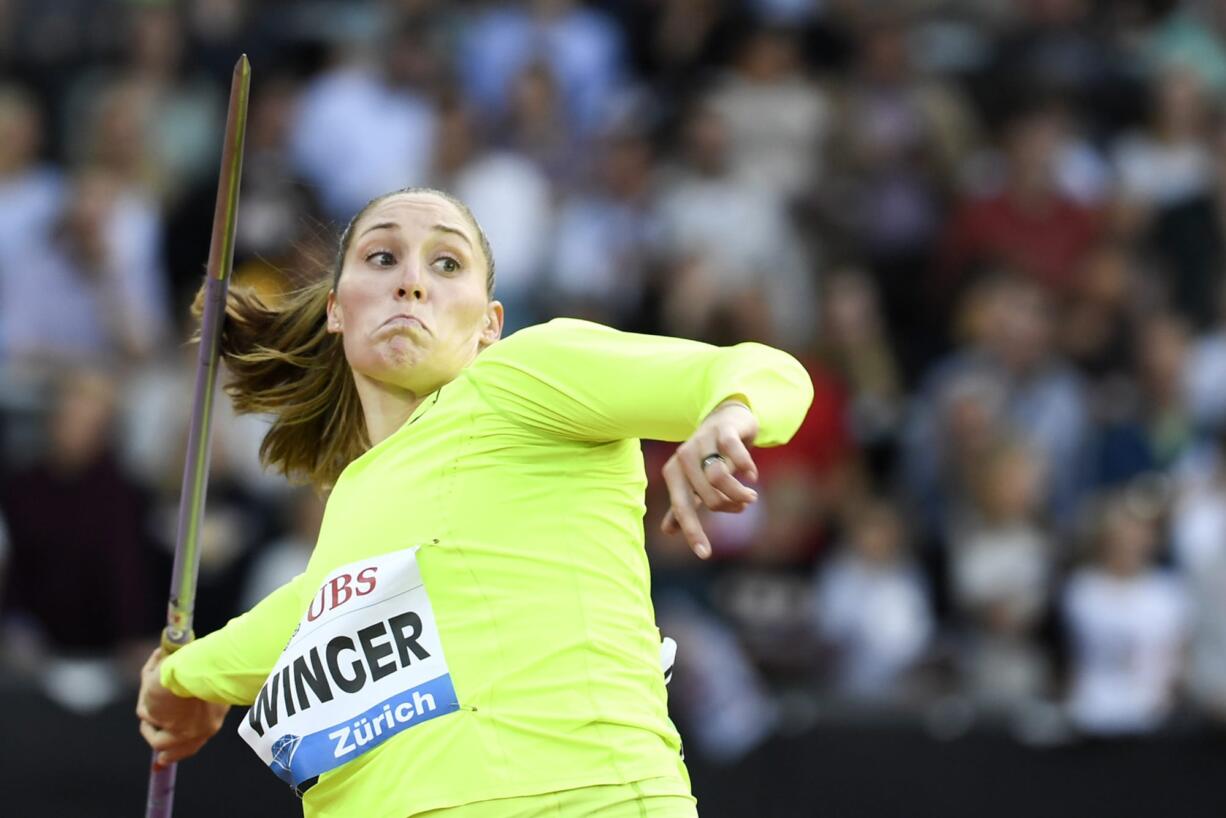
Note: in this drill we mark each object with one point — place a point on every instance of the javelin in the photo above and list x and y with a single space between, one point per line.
178 631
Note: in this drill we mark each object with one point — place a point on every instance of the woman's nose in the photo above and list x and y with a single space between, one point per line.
411 284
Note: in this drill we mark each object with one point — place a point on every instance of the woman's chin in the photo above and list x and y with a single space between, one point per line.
401 352
394 364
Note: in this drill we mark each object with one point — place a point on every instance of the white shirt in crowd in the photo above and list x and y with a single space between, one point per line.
877 616
776 131
1128 638
513 203
356 137
743 238
1204 386
1198 542
1007 564
1164 174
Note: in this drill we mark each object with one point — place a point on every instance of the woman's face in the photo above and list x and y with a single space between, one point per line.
411 303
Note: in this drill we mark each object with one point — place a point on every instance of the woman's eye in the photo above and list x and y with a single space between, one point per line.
382 258
447 264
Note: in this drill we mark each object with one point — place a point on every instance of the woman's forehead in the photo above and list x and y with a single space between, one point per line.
414 211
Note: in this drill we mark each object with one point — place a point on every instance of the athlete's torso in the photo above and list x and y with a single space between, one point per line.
530 548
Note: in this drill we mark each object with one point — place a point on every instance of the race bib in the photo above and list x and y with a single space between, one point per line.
364 664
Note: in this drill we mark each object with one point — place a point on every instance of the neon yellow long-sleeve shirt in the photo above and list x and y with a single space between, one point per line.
523 482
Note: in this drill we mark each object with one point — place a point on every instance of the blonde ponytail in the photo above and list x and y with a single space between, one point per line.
282 361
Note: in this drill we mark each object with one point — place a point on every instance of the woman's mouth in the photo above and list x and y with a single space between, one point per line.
407 322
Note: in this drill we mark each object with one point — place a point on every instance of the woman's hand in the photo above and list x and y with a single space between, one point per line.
701 472
176 727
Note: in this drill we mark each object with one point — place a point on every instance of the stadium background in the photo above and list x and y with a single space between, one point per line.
988 577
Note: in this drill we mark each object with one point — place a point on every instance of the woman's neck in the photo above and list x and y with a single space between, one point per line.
385 407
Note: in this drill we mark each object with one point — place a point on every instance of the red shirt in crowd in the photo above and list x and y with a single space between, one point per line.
1045 241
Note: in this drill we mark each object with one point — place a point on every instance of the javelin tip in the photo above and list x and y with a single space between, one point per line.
243 66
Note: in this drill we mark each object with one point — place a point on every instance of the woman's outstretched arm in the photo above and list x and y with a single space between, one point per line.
184 696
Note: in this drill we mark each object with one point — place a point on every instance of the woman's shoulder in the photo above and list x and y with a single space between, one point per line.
558 333
558 328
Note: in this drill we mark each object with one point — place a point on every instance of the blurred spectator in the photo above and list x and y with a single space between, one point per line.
1198 519
856 346
8 31
29 189
675 43
1198 544
535 127
1128 626
219 29
154 419
789 12
1169 162
77 577
1053 46
1206 364
157 117
721 698
1149 429
580 45
279 561
153 115
513 202
1001 564
1167 181
240 509
366 125
607 237
1206 673
281 235
777 119
899 137
1006 381
117 138
872 606
242 497
275 204
1181 37
735 254
1096 322
1029 226
98 290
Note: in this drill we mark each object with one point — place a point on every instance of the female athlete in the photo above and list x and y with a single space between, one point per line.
474 634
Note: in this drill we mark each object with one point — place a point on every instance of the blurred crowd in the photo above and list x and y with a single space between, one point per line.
994 231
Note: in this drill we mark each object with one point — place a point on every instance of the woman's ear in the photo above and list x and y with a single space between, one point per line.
491 328
335 315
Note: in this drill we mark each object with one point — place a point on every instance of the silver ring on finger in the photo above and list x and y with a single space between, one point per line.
711 458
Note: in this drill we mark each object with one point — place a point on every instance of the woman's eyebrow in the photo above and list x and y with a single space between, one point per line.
380 226
442 228
448 229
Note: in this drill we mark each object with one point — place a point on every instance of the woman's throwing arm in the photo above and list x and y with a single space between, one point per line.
184 696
